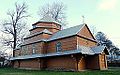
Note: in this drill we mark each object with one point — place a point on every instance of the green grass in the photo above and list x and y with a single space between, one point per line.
12 71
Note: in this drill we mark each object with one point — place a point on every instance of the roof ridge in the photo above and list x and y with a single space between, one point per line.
66 32
72 27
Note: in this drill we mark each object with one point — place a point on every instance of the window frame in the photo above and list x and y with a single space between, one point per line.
58 47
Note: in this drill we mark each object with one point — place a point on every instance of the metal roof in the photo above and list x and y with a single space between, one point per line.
37 33
81 49
86 50
99 49
66 32
48 18
46 55
41 40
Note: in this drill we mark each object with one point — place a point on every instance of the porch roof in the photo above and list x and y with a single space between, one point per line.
81 49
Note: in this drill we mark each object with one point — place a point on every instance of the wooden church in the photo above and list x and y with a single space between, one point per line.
49 47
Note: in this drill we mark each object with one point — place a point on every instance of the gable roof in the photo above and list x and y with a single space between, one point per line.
93 50
66 32
70 32
99 49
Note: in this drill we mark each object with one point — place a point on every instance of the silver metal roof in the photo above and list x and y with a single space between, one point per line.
37 33
98 49
45 55
48 18
81 49
66 32
41 40
86 50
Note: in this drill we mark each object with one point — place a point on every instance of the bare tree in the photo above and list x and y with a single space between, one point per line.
15 25
56 10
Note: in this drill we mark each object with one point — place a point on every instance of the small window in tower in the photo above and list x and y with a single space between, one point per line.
58 46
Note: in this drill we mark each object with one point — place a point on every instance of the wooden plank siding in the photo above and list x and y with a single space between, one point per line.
85 42
52 27
92 62
85 32
67 44
62 62
16 64
30 64
103 61
40 49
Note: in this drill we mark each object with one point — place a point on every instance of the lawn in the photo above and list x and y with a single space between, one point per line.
11 71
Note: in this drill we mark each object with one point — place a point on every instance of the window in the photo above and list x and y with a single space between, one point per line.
33 48
58 47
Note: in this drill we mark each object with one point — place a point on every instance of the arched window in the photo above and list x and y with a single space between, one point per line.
58 46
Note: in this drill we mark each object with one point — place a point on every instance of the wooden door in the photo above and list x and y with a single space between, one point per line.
103 61
81 64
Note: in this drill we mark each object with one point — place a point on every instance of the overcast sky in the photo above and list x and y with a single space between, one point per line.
102 14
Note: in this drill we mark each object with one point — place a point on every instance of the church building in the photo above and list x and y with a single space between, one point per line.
50 47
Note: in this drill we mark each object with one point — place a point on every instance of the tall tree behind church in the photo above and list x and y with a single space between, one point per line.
56 10
103 40
15 25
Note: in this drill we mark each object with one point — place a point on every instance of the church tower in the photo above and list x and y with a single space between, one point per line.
43 29
47 23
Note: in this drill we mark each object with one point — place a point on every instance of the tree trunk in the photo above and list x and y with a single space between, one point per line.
14 44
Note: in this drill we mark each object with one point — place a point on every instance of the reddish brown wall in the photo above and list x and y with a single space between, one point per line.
102 61
81 63
67 44
36 38
36 30
39 49
85 33
85 42
16 64
32 63
92 62
53 27
64 62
